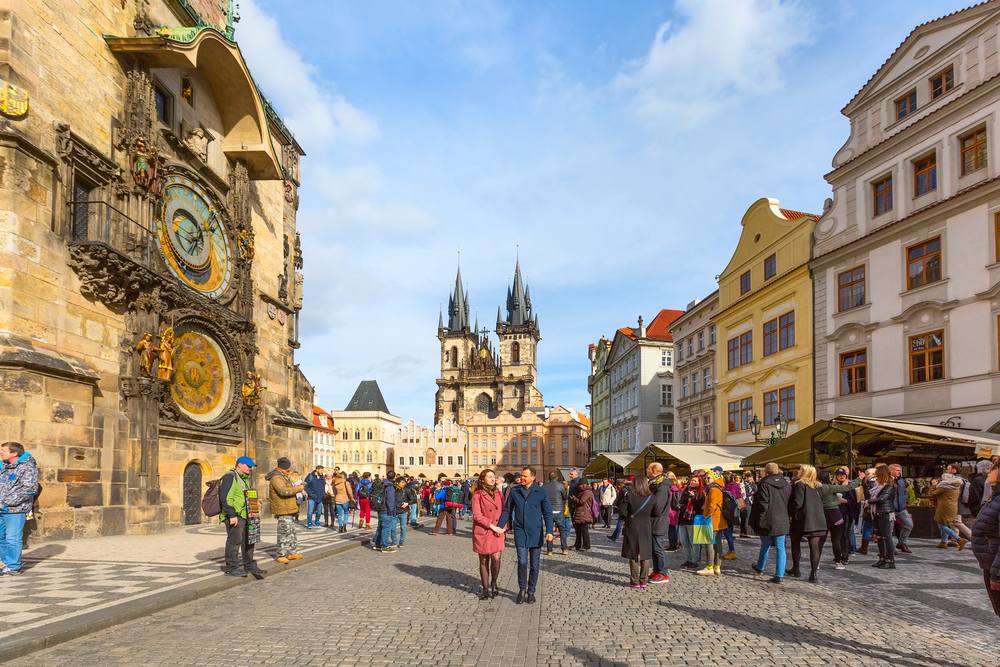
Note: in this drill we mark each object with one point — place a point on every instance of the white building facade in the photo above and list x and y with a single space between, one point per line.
906 261
431 451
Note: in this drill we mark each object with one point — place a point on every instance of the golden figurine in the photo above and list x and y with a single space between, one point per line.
165 369
251 389
147 354
187 92
245 242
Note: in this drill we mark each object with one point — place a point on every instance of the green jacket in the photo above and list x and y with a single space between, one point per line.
231 494
828 493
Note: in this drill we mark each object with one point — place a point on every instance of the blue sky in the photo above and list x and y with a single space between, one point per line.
618 144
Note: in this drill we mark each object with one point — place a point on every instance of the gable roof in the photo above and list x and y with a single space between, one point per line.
913 34
367 398
318 412
659 328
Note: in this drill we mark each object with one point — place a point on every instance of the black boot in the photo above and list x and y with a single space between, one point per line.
879 563
888 565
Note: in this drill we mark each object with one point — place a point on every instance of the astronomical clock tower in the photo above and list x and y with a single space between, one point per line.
152 285
476 378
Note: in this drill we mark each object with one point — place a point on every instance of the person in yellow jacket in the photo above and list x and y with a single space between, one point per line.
713 508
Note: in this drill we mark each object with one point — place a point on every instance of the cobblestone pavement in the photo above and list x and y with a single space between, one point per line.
417 606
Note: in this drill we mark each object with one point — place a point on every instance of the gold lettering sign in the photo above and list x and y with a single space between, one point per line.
13 101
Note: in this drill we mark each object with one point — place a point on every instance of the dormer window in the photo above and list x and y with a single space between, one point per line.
906 104
942 82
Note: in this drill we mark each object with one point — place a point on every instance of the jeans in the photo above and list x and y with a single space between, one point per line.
778 542
528 562
563 524
745 520
618 529
329 512
886 548
413 514
659 555
401 524
11 536
236 540
382 532
867 527
728 534
314 509
672 539
907 526
692 551
343 512
389 531
852 537
947 532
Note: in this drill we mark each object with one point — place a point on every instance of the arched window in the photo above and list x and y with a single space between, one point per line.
369 434
357 435
483 403
454 356
343 436
357 457
369 457
343 457
515 353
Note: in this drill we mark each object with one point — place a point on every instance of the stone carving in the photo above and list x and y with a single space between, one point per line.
289 191
147 354
297 261
197 143
72 149
107 276
142 23
137 133
290 162
299 284
244 240
143 166
251 389
165 351
283 277
13 101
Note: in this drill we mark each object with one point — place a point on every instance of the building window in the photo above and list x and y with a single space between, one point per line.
493 460
708 428
369 458
696 429
925 175
942 82
475 459
701 341
786 397
923 263
740 414
733 353
666 395
972 147
460 460
454 356
666 432
854 372
851 289
357 457
420 460
711 334
665 357
786 330
745 283
927 357
746 348
440 460
694 383
690 344
906 105
882 195
684 387
515 353
770 337
369 435
770 406
402 460
164 105
411 460
706 377
565 442
684 431
770 267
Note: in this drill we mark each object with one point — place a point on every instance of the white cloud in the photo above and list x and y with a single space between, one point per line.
721 51
318 116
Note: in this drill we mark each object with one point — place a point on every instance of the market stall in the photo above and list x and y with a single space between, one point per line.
608 466
681 458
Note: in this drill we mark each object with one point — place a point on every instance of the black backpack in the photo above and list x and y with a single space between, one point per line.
377 497
364 490
453 497
730 510
211 504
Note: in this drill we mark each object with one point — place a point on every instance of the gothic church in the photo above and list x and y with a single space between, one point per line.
475 379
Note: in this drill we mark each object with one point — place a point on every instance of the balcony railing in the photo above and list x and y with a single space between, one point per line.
100 222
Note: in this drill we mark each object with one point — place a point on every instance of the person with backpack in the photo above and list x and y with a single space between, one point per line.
315 491
362 492
581 506
383 501
235 493
282 497
558 494
450 499
18 490
713 508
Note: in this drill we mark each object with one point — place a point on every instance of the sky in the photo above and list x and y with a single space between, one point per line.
613 147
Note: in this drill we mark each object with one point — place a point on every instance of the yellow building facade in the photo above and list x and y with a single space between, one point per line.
763 359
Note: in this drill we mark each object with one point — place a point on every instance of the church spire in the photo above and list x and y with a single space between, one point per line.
518 300
458 307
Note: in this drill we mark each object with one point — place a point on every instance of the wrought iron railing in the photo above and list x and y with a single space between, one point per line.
100 222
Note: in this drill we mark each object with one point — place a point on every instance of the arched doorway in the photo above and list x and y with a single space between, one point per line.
192 494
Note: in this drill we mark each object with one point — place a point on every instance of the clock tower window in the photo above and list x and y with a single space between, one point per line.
515 353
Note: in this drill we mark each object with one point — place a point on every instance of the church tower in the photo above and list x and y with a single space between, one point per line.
519 336
459 345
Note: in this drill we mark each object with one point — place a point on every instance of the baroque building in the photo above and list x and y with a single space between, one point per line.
150 282
599 386
368 432
475 378
324 436
431 451
694 378
906 261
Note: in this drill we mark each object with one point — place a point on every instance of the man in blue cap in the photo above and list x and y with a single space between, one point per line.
241 514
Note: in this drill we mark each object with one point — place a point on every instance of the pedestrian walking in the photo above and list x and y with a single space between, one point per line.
808 521
528 514
882 507
608 495
558 493
986 538
329 506
343 497
18 490
903 517
769 519
363 493
487 506
450 500
831 495
946 491
581 505
639 534
383 500
712 511
284 507
315 488
659 488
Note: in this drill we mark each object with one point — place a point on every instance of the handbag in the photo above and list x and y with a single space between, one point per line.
704 533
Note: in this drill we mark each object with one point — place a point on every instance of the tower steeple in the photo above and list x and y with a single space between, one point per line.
458 307
518 300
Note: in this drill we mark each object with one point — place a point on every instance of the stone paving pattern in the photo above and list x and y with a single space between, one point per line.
418 606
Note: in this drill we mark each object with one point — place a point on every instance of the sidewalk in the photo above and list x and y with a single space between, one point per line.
74 587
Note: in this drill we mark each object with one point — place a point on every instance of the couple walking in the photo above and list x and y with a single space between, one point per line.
527 512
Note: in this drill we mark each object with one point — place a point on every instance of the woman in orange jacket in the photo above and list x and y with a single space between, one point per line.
713 508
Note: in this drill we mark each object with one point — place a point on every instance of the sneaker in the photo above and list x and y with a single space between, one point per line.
659 579
294 556
775 580
643 586
635 587
389 550
563 552
942 545
758 570
839 566
888 565
730 555
706 572
718 569
961 543
282 559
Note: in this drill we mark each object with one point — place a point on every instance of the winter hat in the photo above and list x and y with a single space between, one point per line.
284 463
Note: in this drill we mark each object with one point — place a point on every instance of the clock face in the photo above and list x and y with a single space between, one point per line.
202 384
192 238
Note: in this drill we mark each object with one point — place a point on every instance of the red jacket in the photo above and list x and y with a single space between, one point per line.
486 512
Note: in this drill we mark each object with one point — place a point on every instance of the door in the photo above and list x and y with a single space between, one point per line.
192 494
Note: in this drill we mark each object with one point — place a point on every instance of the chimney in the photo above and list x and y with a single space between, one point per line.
641 331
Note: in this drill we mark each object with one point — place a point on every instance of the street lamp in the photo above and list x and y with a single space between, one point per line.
782 423
755 427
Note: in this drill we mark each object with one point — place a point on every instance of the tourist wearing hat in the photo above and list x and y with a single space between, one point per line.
234 487
285 507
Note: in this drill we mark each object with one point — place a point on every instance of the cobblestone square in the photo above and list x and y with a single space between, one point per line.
418 606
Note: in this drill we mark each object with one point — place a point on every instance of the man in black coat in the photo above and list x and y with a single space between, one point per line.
769 518
659 484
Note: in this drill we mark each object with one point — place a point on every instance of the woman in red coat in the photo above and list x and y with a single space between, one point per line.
487 505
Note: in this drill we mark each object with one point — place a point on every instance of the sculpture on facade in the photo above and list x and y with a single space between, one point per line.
251 389
197 142
165 352
147 354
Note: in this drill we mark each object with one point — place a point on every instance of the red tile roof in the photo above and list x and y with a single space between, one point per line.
628 331
317 411
659 328
795 215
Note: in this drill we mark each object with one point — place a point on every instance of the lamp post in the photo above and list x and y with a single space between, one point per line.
755 428
780 424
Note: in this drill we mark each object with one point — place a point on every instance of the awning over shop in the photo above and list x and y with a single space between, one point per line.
606 464
828 442
696 456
